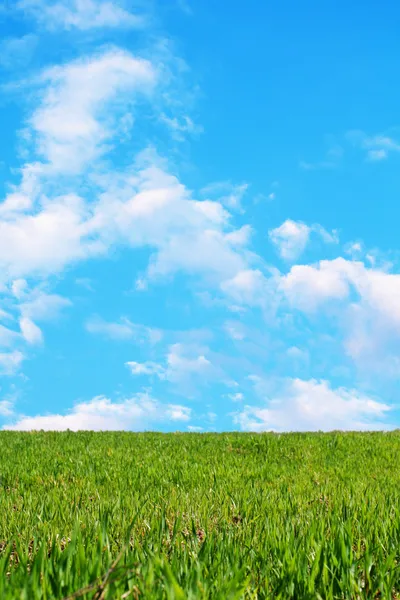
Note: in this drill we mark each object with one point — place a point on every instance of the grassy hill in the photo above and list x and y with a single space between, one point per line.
221 516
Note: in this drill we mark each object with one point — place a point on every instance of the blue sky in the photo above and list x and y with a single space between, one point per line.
198 215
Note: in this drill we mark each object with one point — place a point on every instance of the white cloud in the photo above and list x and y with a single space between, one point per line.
367 302
313 405
45 242
151 209
41 306
5 316
19 288
180 127
123 330
247 286
10 362
228 193
377 155
185 365
41 233
6 408
354 249
239 237
185 361
186 235
307 286
292 237
30 331
74 123
80 14
8 337
382 142
235 330
297 354
177 412
138 413
378 147
146 368
237 397
32 305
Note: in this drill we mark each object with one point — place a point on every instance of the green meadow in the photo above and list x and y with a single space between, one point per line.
195 516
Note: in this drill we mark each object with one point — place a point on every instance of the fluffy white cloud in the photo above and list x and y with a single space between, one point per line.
367 302
308 286
176 412
292 237
45 242
74 123
140 412
80 14
42 232
186 235
313 405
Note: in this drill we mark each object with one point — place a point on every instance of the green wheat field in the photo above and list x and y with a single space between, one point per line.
190 516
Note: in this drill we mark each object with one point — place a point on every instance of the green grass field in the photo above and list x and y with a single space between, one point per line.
123 515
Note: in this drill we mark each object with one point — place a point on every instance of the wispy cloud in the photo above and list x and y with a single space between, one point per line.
331 160
124 329
185 365
6 408
80 14
377 147
229 194
16 52
180 128
10 362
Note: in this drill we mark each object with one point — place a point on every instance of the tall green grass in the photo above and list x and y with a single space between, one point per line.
188 516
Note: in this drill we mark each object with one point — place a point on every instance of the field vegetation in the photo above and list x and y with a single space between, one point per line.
189 516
